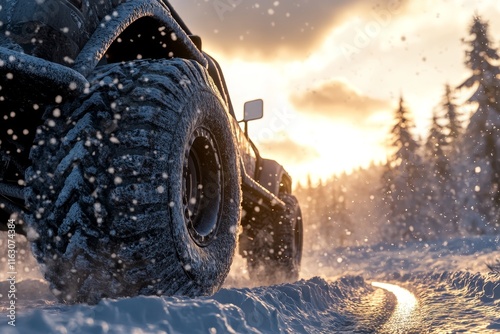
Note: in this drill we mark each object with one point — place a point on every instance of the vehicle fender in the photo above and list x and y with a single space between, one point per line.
272 176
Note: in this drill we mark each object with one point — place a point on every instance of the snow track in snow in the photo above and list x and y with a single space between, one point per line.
454 302
420 303
450 299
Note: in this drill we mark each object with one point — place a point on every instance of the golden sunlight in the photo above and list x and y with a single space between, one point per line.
405 314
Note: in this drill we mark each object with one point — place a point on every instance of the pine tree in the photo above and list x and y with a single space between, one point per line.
435 177
402 137
342 218
323 207
309 210
453 126
402 177
481 149
453 130
440 185
339 216
436 147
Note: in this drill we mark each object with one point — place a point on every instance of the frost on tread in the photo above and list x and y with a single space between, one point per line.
108 179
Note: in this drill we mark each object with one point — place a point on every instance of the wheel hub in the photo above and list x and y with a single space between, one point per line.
202 187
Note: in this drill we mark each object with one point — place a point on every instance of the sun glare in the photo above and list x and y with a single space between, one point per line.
340 148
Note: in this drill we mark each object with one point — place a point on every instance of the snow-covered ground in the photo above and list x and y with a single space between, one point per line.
441 287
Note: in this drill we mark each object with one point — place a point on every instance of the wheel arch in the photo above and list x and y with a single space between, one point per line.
274 177
128 20
156 23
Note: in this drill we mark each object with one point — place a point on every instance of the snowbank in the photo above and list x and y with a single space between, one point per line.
306 306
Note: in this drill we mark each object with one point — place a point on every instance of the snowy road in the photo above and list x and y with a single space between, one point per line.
374 290
405 316
459 303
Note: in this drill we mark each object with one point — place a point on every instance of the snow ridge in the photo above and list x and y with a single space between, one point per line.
483 287
307 306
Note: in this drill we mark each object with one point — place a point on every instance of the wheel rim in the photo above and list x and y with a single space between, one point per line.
202 187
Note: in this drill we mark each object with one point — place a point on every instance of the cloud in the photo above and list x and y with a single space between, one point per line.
336 100
269 29
285 150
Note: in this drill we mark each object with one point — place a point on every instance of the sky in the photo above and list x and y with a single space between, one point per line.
331 72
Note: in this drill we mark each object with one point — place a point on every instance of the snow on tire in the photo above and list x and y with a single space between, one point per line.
135 187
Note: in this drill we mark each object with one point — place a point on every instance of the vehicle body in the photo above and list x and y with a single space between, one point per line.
60 56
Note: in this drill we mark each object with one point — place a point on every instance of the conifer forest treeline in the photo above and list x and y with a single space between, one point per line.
441 186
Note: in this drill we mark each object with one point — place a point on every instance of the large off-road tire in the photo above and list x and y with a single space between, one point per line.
135 187
274 251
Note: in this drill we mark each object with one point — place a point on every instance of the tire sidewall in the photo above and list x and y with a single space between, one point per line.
278 261
293 218
207 266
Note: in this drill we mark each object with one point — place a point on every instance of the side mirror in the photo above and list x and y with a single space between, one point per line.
253 110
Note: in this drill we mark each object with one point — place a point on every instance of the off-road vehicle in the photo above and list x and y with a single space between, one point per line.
122 159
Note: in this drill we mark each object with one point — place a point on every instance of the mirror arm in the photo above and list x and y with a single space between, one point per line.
246 126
